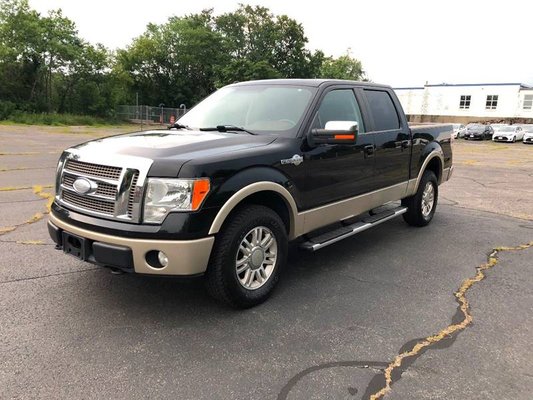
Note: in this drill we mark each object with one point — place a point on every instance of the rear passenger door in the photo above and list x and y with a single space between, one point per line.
338 171
392 139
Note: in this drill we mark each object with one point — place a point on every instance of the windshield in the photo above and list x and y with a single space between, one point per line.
475 126
257 108
506 128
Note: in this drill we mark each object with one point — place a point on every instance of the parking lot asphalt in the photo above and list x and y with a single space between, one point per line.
336 322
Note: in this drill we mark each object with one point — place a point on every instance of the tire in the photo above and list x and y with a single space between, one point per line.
416 214
260 271
514 139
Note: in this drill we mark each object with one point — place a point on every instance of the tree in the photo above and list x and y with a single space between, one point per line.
344 67
45 66
262 45
174 62
43 61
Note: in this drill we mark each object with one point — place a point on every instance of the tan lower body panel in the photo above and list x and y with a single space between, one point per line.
186 257
331 213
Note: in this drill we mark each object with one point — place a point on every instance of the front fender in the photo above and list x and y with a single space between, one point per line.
250 181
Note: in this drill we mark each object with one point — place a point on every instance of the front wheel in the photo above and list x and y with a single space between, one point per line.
249 253
422 205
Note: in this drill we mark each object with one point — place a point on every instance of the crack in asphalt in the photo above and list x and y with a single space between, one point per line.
39 191
32 278
27 153
485 185
456 204
23 169
14 188
19 201
389 373
28 242
393 373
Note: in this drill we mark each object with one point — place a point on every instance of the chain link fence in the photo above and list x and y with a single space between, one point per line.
150 115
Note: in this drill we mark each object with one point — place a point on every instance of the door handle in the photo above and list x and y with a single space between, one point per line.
369 150
405 143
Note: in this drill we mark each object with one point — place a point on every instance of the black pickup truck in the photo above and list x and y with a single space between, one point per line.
250 168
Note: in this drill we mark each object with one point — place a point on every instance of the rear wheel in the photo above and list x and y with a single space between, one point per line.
422 205
249 254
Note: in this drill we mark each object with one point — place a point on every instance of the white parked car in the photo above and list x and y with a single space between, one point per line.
528 135
458 131
509 133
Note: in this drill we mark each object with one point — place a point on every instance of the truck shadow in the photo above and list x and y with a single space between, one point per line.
303 283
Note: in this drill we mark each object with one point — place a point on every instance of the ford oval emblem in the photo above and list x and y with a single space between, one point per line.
84 186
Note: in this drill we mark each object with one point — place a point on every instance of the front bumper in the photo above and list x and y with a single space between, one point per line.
502 139
186 257
528 140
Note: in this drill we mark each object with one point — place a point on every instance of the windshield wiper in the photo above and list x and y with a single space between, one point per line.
177 125
227 128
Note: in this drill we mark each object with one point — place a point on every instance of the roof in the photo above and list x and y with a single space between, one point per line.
307 82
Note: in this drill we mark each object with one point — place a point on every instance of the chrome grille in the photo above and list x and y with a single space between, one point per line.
88 203
116 190
102 171
104 189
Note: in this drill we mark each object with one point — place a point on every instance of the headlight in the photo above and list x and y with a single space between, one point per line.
165 195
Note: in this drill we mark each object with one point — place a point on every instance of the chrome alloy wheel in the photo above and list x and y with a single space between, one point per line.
428 199
256 258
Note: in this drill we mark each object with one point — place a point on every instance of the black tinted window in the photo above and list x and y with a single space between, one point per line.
339 105
383 110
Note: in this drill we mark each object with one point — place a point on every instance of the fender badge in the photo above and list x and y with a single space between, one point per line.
296 160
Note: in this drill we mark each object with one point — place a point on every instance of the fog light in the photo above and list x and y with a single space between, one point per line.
162 258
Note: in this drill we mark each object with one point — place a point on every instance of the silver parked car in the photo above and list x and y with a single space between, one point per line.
458 131
528 135
508 133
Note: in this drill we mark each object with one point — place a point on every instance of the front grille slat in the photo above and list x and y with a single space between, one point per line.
96 170
95 205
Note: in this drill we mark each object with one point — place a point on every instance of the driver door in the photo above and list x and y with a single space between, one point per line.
338 171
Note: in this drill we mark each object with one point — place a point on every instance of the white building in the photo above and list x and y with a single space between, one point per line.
468 102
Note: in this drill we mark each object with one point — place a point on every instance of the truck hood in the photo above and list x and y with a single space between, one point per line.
170 149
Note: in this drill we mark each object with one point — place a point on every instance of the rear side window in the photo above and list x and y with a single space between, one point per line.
383 110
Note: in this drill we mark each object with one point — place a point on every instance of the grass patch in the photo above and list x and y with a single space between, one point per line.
24 118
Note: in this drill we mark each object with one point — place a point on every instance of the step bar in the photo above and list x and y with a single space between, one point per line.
336 235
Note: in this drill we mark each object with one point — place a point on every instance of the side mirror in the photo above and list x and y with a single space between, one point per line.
336 132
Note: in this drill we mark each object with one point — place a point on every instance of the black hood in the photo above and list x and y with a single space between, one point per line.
170 149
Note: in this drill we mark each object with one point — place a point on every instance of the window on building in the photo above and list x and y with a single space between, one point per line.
464 103
528 102
492 102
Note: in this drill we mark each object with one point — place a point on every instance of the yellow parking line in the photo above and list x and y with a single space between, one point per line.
13 188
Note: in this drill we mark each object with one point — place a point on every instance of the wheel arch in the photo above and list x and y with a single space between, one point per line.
433 161
269 194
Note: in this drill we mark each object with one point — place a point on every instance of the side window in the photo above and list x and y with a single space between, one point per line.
339 105
383 110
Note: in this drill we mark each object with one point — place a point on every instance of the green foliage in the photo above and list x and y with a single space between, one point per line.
344 67
7 108
45 67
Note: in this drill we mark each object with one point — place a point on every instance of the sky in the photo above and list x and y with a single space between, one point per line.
400 43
